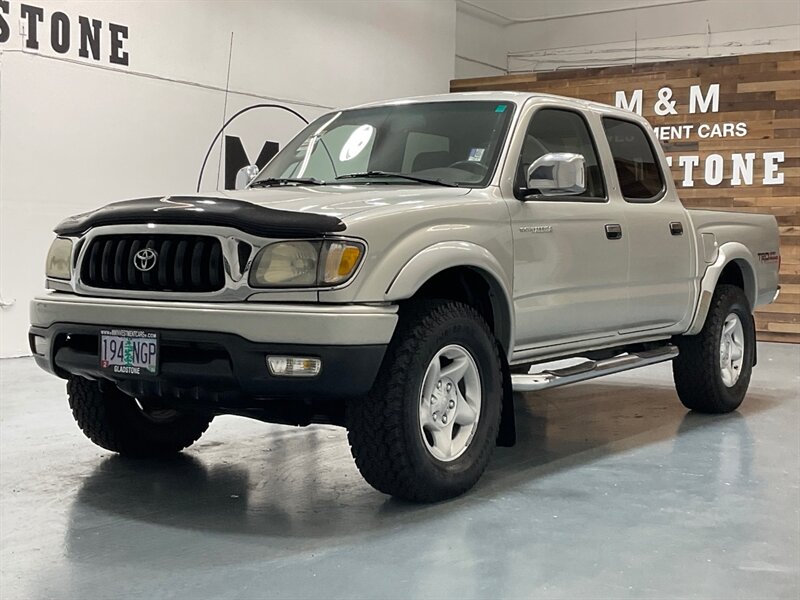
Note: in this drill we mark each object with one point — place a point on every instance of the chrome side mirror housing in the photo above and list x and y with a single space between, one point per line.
557 174
245 175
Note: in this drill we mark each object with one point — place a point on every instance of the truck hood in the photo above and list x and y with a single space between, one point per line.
269 212
342 201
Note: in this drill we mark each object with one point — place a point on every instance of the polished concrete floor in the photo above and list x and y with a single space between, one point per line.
615 491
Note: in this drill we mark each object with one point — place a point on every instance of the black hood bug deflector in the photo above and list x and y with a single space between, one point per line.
184 210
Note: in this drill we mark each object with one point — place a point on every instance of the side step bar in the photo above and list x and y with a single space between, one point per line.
591 369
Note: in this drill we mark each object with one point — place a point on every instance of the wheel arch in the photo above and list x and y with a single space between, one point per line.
740 273
460 271
734 265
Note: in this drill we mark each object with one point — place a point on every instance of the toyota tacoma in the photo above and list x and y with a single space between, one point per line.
400 269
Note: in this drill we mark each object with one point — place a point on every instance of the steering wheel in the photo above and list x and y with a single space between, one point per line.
472 166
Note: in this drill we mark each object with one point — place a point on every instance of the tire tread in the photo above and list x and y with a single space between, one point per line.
695 370
104 419
375 423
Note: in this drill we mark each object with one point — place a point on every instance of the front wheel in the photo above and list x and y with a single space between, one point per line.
712 371
428 427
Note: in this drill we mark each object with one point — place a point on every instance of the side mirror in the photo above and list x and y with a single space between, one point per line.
245 175
558 174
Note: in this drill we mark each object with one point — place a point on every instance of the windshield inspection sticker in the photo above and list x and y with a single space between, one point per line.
476 154
500 108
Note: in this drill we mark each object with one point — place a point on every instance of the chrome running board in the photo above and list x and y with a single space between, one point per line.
591 369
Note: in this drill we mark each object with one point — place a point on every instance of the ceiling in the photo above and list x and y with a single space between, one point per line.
507 12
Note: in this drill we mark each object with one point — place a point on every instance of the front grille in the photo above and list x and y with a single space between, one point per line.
183 263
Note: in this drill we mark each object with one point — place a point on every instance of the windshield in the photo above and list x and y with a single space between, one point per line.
449 143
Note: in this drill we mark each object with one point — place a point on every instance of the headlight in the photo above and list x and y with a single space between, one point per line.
306 263
59 259
286 264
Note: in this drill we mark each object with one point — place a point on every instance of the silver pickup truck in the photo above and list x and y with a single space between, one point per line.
400 269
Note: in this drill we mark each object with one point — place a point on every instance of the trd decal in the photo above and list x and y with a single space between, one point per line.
768 257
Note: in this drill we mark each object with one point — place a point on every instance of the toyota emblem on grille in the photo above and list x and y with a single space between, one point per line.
145 259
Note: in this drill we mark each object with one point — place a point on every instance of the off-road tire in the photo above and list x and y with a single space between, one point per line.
696 370
383 428
114 421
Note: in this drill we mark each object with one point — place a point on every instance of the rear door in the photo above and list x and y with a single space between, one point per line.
659 236
570 265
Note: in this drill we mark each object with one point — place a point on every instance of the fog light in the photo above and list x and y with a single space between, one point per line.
40 345
294 366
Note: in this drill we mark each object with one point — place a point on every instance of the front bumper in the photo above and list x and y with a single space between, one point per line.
216 353
323 324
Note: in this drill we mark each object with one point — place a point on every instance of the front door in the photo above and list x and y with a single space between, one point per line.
570 252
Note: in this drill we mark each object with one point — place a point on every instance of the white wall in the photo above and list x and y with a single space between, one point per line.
76 134
480 45
542 35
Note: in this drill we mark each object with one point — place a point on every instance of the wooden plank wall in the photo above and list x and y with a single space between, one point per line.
760 90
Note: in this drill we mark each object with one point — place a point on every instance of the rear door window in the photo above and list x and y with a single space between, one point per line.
638 171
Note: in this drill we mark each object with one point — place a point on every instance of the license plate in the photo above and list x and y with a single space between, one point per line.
129 352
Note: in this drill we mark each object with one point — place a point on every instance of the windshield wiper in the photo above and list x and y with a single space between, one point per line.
270 181
388 175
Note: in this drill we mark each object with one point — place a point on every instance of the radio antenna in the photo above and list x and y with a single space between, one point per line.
224 112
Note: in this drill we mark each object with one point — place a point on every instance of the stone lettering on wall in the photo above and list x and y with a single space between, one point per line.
739 166
82 37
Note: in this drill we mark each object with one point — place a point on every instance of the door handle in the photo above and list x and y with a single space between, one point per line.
676 228
614 231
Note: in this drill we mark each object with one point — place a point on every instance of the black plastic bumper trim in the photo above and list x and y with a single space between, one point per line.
215 367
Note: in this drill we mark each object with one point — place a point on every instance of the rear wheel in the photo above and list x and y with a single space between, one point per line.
131 426
712 371
428 427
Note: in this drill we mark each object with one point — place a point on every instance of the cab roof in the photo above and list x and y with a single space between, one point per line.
518 98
